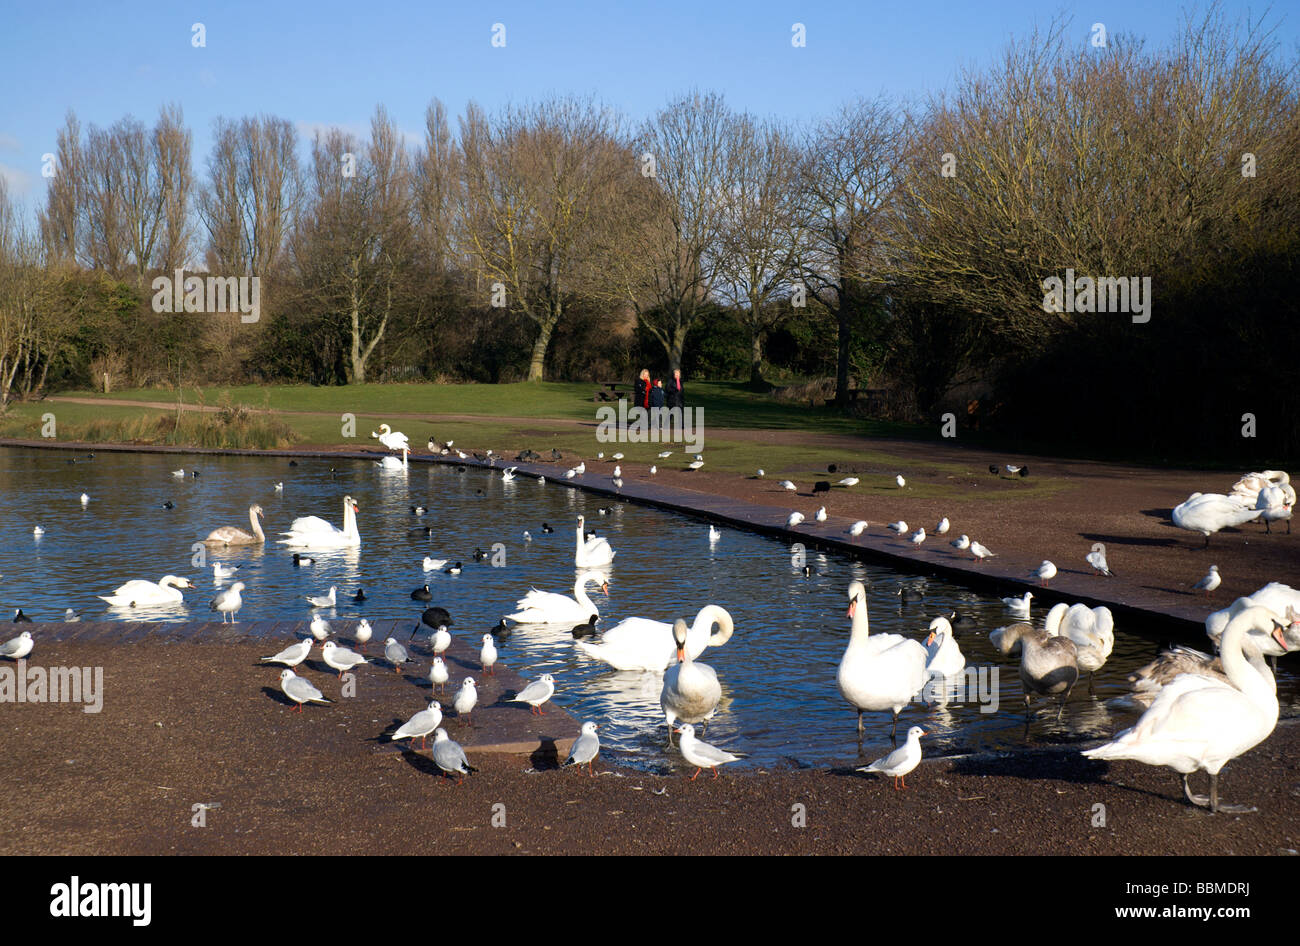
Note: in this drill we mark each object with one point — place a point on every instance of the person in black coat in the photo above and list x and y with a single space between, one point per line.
642 396
676 393
657 394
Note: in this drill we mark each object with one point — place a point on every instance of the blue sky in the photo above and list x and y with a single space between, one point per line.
331 62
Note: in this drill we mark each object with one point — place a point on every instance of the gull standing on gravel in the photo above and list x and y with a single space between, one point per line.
980 551
229 602
422 724
292 655
821 514
701 754
363 633
466 698
19 647
900 526
323 601
794 520
901 761
858 527
1044 572
1210 581
585 748
320 628
918 537
1097 559
300 690
786 484
450 757
441 640
848 481
943 526
438 675
537 693
961 543
396 654
487 655
340 658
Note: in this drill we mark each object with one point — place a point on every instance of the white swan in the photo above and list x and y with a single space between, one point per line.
140 593
314 532
943 656
549 607
1275 505
1198 722
1091 629
882 672
691 691
591 553
392 439
643 644
1275 596
392 463
1207 513
231 535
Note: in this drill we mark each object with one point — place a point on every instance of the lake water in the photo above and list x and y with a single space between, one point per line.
780 702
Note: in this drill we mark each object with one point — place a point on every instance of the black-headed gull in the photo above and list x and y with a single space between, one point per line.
422 724
702 755
536 693
466 698
901 761
900 481
1210 581
585 748
396 654
324 601
487 655
918 537
320 628
943 526
858 527
794 519
229 602
980 551
340 658
449 756
1044 572
848 481
19 647
900 526
292 655
1097 559
438 675
363 633
1019 605
300 690
961 543
786 484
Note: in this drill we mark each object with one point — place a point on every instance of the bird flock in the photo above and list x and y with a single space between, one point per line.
1199 711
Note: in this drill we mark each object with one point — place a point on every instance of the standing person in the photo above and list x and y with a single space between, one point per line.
642 398
657 393
676 393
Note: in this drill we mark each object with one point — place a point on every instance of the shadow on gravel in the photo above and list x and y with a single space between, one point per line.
1129 540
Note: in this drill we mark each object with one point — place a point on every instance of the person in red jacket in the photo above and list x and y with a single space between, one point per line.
676 394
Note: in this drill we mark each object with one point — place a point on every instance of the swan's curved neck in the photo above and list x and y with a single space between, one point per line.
581 543
580 591
1260 688
350 521
257 526
710 615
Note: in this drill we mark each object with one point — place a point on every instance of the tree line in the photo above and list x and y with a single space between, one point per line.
902 249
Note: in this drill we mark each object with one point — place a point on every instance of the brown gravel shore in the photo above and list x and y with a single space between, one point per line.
201 723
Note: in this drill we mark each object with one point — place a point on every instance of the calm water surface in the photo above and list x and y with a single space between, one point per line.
780 704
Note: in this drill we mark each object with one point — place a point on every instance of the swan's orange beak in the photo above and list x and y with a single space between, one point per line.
1277 636
356 508
853 606
605 588
928 641
681 654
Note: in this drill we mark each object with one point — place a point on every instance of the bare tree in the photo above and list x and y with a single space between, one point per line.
760 244
673 257
847 186
537 186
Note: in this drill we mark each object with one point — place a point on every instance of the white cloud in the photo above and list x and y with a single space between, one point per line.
20 182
